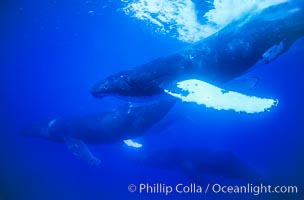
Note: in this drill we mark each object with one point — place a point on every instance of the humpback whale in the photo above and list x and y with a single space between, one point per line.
122 124
199 163
216 59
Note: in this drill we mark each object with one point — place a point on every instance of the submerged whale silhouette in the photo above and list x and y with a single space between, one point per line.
122 124
199 163
217 59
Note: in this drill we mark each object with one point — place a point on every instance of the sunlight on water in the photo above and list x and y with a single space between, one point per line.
167 16
180 16
211 96
225 11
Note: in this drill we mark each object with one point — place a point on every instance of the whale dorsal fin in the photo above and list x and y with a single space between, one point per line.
81 150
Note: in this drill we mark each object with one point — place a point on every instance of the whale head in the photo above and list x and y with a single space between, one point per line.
118 84
39 130
125 85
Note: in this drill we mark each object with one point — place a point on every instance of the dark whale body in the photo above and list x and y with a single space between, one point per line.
198 163
123 123
217 59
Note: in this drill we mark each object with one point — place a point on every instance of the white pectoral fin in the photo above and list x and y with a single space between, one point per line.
132 143
211 96
81 150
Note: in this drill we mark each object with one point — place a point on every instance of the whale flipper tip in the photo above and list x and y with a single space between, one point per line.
81 151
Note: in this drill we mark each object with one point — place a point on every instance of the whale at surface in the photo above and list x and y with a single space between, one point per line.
121 124
218 59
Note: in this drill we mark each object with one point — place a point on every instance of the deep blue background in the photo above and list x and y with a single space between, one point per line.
51 54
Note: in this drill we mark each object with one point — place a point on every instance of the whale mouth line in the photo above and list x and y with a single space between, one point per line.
99 91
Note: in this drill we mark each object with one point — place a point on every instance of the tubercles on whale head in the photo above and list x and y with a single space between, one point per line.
127 84
115 84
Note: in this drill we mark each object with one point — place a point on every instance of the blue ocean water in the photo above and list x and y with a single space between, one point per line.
52 52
